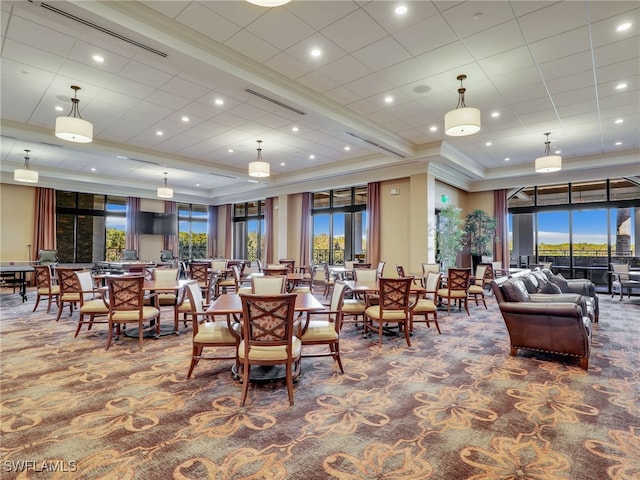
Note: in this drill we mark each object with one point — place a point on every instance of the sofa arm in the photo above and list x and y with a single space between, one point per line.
549 309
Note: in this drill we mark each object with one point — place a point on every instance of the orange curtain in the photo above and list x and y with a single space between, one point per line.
44 232
212 232
501 239
132 239
171 241
305 224
373 223
227 232
267 255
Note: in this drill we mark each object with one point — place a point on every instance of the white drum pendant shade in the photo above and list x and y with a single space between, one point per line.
74 129
462 121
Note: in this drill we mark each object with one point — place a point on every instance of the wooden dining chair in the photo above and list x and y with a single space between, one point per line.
91 303
126 305
222 336
393 307
455 291
69 289
45 286
268 337
426 304
325 331
199 271
477 288
329 279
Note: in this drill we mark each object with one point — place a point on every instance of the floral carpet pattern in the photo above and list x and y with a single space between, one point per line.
451 406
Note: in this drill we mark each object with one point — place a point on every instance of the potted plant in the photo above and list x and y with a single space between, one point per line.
449 236
480 229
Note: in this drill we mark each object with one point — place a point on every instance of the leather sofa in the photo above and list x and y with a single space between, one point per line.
558 323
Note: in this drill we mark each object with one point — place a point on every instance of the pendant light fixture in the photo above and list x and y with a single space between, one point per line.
548 163
259 168
72 127
165 191
268 3
463 120
25 174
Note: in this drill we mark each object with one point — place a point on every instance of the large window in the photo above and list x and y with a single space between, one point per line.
248 230
580 227
339 225
192 231
89 227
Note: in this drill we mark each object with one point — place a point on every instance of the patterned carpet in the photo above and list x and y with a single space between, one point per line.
452 406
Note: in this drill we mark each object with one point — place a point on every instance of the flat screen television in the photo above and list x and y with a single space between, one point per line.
151 223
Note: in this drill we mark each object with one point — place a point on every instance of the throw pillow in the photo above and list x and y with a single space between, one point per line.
560 282
549 287
530 283
515 291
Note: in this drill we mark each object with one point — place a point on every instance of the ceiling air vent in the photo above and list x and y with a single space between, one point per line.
374 144
102 29
273 100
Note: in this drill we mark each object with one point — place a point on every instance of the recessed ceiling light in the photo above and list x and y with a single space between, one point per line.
488 144
230 150
218 101
421 88
495 114
558 152
347 148
185 119
98 58
400 10
59 108
618 144
312 156
93 169
159 133
197 184
507 159
433 128
619 120
282 164
295 129
316 52
388 99
621 86
122 157
623 26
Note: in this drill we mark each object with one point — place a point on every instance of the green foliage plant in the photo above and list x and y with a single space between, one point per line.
449 236
480 229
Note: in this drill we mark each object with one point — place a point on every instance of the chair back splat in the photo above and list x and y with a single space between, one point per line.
268 337
393 307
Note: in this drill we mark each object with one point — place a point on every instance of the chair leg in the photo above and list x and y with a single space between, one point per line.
38 301
196 353
245 383
289 371
140 334
406 332
80 322
109 335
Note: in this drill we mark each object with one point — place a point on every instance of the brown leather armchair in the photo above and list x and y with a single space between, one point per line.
544 325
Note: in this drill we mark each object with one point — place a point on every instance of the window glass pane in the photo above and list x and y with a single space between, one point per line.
183 209
585 192
240 210
321 200
553 195
360 195
321 238
91 201
342 197
200 211
338 238
252 209
117 204
65 235
253 240
65 199
623 239
90 238
115 240
590 245
623 189
360 236
553 240
523 198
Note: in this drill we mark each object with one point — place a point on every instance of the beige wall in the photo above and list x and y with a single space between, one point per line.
17 211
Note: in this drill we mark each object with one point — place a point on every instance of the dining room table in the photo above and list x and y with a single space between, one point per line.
230 304
17 272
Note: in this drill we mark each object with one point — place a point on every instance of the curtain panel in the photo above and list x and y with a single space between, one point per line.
132 239
227 232
267 255
212 232
305 224
373 223
171 241
44 231
501 239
